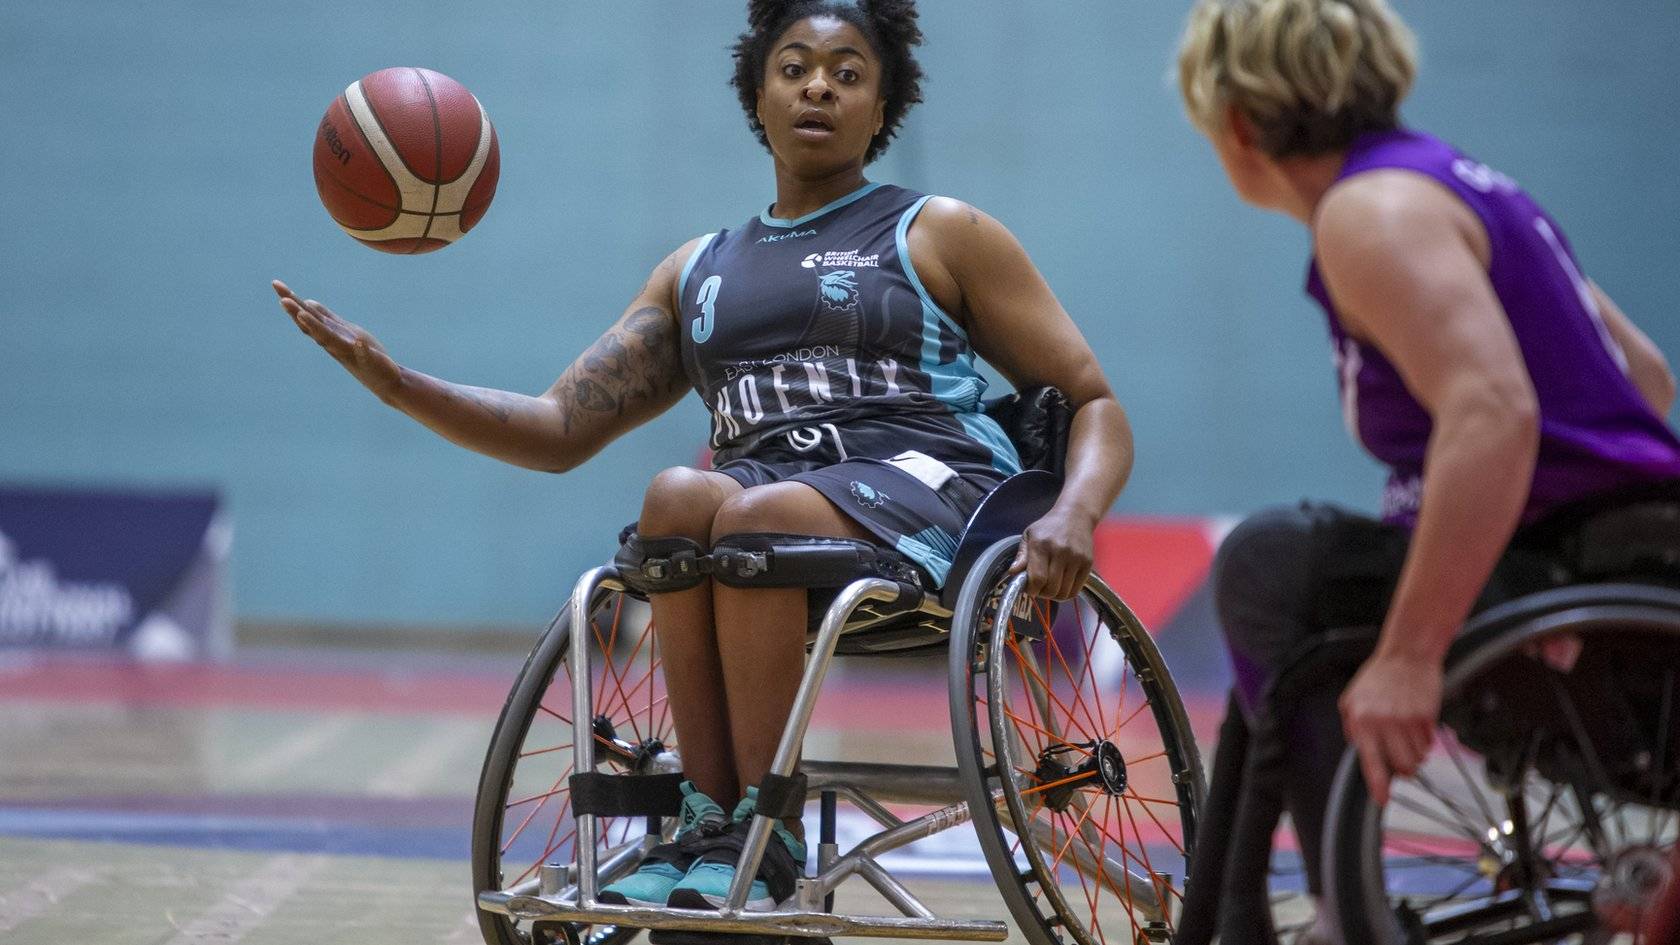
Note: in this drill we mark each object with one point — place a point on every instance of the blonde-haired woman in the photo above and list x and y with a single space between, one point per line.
1495 380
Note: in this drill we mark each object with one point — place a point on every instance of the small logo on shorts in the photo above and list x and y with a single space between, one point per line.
868 496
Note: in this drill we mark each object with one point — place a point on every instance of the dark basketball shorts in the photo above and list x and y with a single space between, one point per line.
912 503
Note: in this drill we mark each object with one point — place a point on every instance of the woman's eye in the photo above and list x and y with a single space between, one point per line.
847 75
793 70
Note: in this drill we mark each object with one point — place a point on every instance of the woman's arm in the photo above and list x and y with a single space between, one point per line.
1646 365
976 269
1405 263
628 376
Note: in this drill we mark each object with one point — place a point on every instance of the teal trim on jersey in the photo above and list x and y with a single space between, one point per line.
856 195
988 431
933 548
958 385
928 304
688 267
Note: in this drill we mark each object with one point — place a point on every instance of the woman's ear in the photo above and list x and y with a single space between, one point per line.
1242 128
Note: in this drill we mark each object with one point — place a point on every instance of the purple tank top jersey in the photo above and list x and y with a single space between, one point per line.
1596 432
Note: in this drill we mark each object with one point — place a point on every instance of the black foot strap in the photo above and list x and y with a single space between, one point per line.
626 795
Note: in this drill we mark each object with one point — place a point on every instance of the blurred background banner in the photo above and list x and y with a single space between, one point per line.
137 572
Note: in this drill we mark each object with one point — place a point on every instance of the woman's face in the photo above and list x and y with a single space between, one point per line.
820 102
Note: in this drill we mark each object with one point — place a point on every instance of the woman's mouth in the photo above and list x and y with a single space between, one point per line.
813 124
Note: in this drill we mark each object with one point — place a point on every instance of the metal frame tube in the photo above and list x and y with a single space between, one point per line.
793 736
583 717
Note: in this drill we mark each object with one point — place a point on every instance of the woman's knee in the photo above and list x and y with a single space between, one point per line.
786 507
1268 556
681 502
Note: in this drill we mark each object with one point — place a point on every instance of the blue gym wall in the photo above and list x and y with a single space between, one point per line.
158 177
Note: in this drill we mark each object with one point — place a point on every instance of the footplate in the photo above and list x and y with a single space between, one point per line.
805 924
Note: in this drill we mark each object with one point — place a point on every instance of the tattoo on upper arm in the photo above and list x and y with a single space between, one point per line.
973 216
636 363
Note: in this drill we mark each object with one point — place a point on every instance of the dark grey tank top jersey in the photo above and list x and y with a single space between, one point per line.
813 342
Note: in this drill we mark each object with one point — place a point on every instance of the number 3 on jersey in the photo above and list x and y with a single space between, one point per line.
701 328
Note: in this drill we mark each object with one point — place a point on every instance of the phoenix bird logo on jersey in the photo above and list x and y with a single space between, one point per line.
840 290
868 496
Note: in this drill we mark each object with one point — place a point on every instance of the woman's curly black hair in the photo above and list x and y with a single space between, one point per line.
889 26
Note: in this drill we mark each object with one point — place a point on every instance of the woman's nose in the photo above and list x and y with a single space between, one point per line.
818 89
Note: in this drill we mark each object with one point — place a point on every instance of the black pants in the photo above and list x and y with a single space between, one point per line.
1283 580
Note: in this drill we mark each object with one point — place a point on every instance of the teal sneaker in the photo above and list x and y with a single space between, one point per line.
706 885
667 863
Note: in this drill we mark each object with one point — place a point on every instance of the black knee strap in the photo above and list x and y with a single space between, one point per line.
660 565
769 559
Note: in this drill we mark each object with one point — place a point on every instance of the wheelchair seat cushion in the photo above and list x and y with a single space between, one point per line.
911 502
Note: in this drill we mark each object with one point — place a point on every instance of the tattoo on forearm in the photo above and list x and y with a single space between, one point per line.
497 403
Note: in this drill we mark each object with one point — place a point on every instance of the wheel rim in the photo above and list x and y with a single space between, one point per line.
1454 857
1099 810
534 822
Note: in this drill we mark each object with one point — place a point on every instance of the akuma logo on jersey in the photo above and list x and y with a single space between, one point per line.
794 235
840 290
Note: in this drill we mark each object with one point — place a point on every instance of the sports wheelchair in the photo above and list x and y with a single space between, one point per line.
1074 755
1547 811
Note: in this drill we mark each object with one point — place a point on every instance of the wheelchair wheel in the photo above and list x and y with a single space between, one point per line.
1082 774
522 818
1547 810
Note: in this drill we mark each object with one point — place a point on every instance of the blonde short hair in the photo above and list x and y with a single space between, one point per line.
1311 74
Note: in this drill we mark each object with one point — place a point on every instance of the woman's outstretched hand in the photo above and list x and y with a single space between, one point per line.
350 345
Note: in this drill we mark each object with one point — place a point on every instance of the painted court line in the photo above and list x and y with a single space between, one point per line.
249 902
294 748
25 902
424 763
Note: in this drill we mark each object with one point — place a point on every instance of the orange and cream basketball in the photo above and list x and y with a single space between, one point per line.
406 160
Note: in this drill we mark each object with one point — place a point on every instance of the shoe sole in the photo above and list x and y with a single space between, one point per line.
695 899
619 899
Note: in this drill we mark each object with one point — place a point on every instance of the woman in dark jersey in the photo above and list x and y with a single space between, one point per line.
1475 360
833 337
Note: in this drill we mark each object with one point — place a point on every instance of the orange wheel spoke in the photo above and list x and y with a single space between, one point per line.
1171 838
1049 691
1080 823
1067 670
1127 720
1058 782
544 708
544 751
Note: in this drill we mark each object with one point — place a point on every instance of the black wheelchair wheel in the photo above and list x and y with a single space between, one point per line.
1082 774
1547 811
522 817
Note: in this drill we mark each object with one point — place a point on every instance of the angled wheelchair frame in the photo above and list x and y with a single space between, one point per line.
1511 889
976 616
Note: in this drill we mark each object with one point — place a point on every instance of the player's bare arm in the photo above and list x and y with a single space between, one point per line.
629 375
1645 362
974 267
1402 263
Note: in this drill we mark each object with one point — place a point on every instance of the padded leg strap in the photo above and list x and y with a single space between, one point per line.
626 795
660 565
780 560
781 797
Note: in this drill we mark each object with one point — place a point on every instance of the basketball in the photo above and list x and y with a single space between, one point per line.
406 160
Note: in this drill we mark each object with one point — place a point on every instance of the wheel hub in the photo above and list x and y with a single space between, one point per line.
1059 779
1628 886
